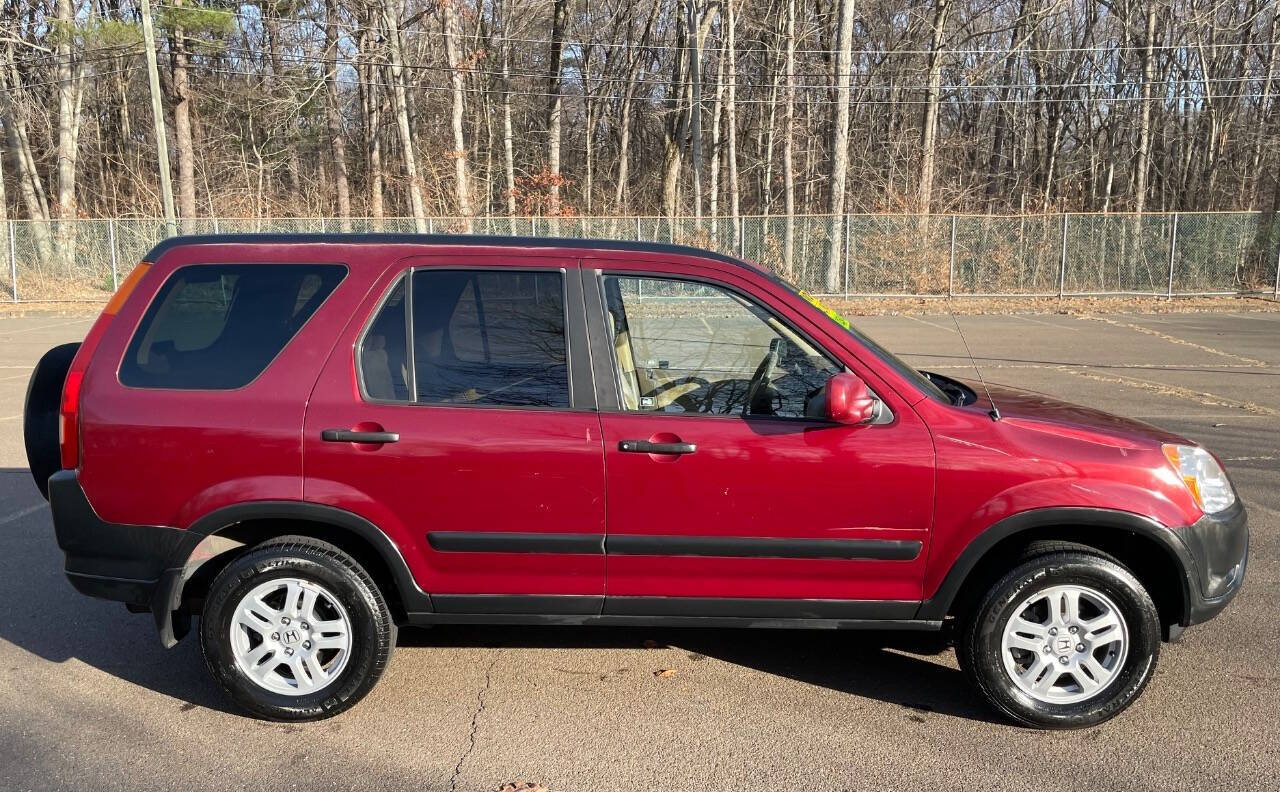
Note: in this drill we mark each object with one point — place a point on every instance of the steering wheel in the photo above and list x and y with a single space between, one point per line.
760 380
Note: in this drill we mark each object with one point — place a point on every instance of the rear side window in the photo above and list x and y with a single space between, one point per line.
218 326
493 338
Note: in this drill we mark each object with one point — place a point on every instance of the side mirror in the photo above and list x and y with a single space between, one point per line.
848 401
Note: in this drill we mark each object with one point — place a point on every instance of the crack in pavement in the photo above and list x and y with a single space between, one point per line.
475 723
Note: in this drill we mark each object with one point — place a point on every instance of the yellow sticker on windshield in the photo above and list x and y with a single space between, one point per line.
816 303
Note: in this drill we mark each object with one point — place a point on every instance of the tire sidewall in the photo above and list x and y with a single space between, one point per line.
1094 573
368 623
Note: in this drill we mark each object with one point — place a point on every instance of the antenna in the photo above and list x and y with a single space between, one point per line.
994 411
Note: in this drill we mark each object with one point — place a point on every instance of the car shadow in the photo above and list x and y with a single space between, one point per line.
45 616
893 667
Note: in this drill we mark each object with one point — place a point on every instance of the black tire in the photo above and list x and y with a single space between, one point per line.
373 633
980 645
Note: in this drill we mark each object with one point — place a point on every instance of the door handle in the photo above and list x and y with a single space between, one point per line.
646 447
351 436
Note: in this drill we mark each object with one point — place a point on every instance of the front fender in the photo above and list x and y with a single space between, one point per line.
954 574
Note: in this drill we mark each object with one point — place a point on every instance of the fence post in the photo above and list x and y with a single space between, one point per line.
637 228
1173 252
848 232
111 240
215 226
742 237
1277 291
13 261
1062 262
951 266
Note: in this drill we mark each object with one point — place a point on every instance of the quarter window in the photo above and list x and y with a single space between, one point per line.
218 326
684 347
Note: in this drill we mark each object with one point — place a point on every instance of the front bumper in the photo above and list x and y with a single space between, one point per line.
139 565
1217 549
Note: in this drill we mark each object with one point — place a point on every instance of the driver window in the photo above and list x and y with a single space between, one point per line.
684 347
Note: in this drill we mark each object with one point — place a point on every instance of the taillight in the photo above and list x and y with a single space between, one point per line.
69 420
69 409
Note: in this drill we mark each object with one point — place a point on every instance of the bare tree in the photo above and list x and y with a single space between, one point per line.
840 143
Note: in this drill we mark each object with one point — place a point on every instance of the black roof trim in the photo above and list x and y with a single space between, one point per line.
477 240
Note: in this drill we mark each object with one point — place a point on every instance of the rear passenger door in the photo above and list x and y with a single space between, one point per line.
458 415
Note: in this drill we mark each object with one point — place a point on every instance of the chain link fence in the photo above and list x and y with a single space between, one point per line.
874 255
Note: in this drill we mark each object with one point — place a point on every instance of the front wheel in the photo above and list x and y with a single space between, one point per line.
295 629
1066 640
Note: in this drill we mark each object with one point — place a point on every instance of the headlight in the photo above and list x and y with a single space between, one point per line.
1203 476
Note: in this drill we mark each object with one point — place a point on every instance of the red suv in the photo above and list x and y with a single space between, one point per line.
309 440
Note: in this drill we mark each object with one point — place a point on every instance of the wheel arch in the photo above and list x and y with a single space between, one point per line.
227 532
1153 552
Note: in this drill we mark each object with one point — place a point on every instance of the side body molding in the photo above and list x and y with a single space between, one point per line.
415 600
1085 518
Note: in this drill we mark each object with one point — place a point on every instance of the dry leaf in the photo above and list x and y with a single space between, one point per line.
522 786
665 673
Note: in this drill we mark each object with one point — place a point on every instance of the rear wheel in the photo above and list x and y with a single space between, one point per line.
295 629
1067 639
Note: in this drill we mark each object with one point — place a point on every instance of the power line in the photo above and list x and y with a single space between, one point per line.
663 82
857 101
1099 48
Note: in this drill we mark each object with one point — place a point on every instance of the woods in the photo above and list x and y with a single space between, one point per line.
351 108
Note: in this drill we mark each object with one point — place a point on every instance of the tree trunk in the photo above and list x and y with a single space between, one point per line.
457 77
788 142
620 194
333 114
560 13
391 11
68 75
716 157
30 186
371 101
1144 123
675 125
929 127
695 104
731 127
840 144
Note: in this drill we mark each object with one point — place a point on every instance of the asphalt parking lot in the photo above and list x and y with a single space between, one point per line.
89 699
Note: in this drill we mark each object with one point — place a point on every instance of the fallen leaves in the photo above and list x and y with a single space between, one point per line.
665 673
522 786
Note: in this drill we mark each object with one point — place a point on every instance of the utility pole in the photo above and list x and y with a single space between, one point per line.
157 112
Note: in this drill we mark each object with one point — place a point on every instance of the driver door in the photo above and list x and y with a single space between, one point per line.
727 490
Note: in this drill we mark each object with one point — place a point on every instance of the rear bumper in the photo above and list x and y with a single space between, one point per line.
1217 551
139 565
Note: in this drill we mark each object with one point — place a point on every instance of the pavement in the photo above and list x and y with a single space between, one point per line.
89 699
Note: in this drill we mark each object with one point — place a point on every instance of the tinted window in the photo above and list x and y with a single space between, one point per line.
217 326
492 338
384 358
683 347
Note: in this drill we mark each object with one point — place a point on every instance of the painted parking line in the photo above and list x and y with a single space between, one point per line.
16 331
1180 341
927 322
1034 320
18 515
1200 397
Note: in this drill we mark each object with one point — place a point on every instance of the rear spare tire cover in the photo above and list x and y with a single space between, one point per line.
40 415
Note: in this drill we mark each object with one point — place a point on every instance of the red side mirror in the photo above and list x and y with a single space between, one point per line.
848 400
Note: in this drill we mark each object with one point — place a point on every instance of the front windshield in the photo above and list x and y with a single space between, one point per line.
910 373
